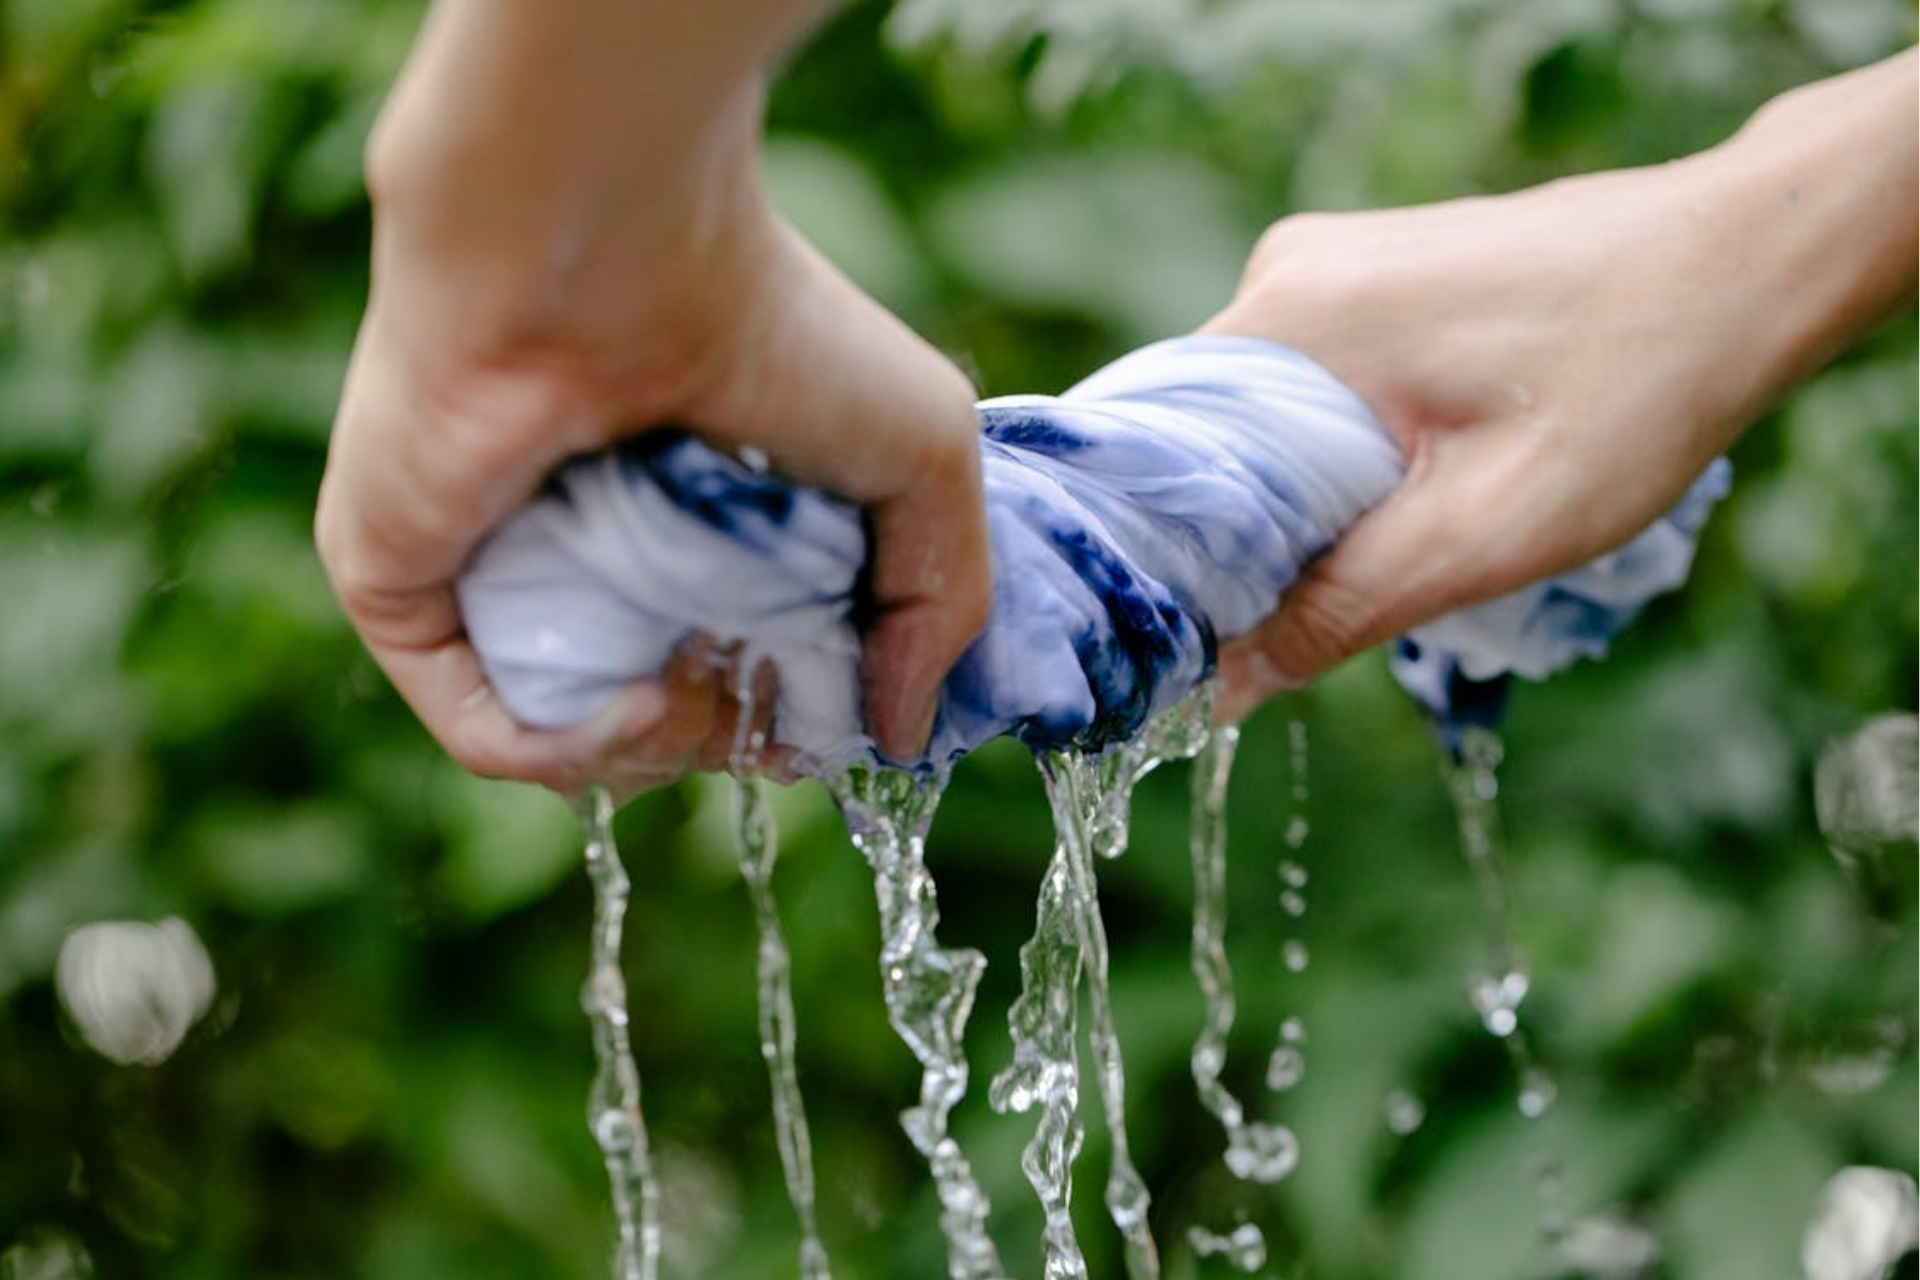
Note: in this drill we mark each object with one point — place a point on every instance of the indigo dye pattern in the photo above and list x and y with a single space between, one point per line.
1164 503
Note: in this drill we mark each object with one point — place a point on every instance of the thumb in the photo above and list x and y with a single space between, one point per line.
1397 567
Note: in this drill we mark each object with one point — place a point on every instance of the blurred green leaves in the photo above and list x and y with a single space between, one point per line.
391 1084
1150 243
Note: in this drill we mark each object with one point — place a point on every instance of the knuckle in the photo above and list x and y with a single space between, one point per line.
1284 241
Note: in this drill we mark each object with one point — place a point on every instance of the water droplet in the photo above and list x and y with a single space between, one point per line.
605 993
1537 1092
1293 954
1244 1248
1293 1031
1252 1150
1298 829
1293 904
1608 1248
1497 1001
1263 1153
1285 1068
616 1131
1293 875
1405 1113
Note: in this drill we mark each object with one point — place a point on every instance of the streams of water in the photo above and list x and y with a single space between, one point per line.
1078 799
758 847
613 1102
1256 1150
1091 801
928 990
1474 787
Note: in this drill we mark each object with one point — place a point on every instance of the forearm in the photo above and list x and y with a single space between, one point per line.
1810 220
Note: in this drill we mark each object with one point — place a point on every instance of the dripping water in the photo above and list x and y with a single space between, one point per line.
1244 1248
1091 802
1256 1151
613 1102
1078 797
1045 1070
928 989
757 846
1474 788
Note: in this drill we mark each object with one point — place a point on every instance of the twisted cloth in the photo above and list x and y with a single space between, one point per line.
1153 511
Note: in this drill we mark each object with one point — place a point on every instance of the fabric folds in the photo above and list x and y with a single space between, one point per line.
1156 509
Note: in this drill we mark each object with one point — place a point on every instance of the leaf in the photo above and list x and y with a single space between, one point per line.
276 860
1147 243
507 844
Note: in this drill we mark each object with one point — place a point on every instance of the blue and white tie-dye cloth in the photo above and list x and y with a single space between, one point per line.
1157 509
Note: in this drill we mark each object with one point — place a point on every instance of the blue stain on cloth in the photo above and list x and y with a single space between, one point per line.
1155 510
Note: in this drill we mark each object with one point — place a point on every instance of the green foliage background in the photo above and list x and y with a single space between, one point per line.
392 1080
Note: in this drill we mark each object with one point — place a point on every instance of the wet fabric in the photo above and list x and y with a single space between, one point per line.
1153 511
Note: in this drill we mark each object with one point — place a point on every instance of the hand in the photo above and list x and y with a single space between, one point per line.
1560 363
539 291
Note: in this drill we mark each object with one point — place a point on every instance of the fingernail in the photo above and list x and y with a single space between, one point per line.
900 725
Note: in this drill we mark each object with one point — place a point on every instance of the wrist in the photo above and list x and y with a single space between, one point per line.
601 269
1813 210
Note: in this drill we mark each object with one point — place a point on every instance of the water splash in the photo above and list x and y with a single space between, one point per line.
928 989
1091 800
1181 733
1081 793
1244 1248
1405 1113
1473 785
1045 1070
1288 1062
757 844
613 1102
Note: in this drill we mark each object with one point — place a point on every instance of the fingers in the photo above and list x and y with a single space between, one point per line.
715 721
1425 551
932 588
842 395
836 391
1374 582
448 691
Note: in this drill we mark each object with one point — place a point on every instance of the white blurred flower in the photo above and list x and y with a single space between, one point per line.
1865 1224
1867 788
1609 1247
46 1255
133 988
